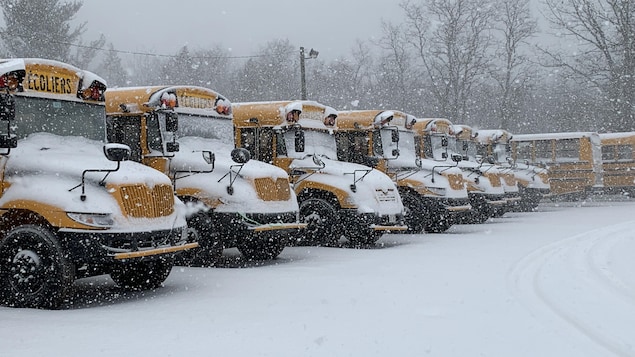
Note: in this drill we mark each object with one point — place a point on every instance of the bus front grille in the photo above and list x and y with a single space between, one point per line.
140 201
273 190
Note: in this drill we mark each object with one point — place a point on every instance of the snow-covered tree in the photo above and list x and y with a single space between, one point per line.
40 28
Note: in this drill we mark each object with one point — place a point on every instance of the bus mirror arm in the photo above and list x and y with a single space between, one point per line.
103 180
232 177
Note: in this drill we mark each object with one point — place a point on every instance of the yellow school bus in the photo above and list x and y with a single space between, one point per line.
485 190
235 201
618 162
70 206
433 193
494 145
573 161
336 198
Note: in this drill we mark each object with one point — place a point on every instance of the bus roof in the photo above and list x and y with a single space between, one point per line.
187 99
434 125
55 79
367 119
273 113
552 136
489 136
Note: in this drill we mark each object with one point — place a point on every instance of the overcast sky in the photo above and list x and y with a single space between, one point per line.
161 26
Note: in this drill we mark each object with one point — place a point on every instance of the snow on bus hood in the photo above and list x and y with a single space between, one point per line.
43 153
46 167
343 174
245 198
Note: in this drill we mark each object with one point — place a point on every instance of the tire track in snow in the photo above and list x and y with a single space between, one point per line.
569 283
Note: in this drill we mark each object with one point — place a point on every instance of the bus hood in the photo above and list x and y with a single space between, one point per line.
373 192
46 169
256 187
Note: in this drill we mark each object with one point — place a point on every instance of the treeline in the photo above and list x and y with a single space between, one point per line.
484 63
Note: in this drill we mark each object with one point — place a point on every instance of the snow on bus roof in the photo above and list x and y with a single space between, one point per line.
11 65
90 77
626 134
557 136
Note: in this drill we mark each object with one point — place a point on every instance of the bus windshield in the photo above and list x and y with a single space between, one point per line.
467 148
407 151
501 152
64 118
205 127
316 143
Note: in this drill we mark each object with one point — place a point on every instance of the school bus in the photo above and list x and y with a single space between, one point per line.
235 201
618 162
531 183
70 206
433 193
573 161
336 198
485 191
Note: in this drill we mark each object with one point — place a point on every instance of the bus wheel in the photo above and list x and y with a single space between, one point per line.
142 275
321 220
263 247
363 238
414 213
441 225
200 228
33 269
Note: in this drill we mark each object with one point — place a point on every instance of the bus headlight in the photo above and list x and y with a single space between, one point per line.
92 219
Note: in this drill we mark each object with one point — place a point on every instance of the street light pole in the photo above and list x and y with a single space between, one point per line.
312 54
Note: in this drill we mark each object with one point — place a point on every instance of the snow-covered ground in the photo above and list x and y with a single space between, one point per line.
557 282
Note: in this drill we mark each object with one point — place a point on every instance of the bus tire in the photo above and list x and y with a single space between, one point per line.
34 271
200 228
142 275
321 220
414 213
263 247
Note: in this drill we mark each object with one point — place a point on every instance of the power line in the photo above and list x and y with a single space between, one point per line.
142 53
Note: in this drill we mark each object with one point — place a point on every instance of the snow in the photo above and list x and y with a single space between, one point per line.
48 168
556 282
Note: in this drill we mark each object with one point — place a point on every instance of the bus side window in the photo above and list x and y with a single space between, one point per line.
378 149
265 145
281 146
125 130
427 147
248 141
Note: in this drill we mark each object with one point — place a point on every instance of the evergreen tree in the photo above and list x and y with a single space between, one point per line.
40 28
112 70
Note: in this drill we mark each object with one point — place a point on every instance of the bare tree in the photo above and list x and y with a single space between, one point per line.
512 73
452 39
605 57
395 73
346 83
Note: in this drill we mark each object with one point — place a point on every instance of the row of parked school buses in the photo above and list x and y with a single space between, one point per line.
184 174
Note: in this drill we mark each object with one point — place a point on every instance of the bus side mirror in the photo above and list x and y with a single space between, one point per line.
240 155
209 157
465 147
117 152
171 122
172 146
444 142
395 136
299 141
